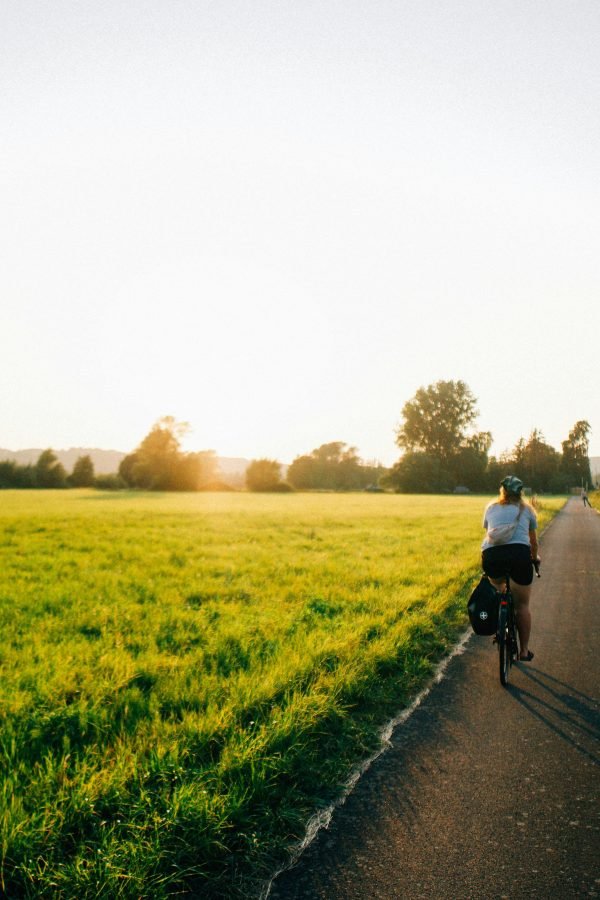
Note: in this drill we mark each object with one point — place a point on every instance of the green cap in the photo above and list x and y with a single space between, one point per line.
512 484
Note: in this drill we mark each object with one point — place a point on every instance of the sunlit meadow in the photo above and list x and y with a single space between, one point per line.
185 678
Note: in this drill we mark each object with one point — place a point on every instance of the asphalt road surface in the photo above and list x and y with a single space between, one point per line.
487 792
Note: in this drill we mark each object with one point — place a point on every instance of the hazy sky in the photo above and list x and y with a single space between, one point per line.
276 220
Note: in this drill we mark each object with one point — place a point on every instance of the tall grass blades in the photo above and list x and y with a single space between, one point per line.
184 678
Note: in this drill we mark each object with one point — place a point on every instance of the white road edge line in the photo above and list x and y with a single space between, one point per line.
322 818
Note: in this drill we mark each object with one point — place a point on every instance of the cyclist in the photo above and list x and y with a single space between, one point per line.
513 557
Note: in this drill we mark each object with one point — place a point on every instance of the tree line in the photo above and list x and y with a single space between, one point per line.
330 467
49 472
442 452
159 464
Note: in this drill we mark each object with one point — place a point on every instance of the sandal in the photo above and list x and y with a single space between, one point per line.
527 658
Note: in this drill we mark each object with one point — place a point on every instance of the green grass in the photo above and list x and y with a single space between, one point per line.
184 678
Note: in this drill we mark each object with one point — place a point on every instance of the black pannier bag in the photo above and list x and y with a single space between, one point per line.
483 607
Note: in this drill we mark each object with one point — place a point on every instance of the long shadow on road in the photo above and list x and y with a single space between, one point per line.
563 709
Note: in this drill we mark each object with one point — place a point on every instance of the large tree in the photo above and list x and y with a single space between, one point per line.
440 452
437 419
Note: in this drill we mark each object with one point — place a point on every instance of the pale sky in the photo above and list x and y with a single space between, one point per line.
277 220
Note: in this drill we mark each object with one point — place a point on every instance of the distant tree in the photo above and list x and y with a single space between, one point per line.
533 460
8 474
27 476
517 459
496 470
12 475
333 466
536 461
49 472
469 464
196 471
156 460
575 462
127 469
83 472
263 475
302 473
158 464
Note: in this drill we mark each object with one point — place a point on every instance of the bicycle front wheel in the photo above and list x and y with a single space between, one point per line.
504 648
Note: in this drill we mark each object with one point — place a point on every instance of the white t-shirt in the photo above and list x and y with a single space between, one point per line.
505 514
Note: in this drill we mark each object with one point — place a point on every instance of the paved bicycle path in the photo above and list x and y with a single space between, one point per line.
478 767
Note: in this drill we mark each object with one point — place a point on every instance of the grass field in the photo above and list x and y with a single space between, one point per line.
184 678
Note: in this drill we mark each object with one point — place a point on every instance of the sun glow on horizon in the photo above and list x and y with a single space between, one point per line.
278 224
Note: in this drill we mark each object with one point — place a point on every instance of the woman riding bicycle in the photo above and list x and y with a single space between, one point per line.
515 556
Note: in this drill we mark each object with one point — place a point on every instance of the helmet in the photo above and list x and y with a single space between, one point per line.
512 484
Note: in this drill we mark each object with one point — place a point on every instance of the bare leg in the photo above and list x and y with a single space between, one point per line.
522 593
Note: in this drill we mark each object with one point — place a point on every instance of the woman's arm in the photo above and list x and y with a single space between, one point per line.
533 544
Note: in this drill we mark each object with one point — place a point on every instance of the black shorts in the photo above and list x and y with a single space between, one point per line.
511 559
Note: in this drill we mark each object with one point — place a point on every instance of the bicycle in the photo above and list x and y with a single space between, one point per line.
506 634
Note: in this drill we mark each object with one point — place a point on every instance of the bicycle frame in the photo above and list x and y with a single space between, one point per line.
506 634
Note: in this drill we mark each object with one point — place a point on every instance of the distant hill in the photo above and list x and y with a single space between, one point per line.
232 468
105 461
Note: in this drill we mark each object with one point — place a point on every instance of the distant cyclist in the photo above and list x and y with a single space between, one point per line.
510 548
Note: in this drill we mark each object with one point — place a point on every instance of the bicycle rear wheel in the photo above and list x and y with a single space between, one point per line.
504 645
